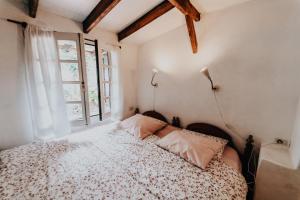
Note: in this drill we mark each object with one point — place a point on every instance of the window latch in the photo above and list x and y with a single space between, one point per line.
83 86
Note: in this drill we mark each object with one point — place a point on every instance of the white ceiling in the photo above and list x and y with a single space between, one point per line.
73 9
128 11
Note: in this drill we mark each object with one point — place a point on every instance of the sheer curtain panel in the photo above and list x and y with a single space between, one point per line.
44 84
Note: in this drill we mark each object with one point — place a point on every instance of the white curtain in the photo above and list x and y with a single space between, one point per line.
117 96
44 85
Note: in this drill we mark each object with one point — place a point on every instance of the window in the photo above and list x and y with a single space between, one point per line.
71 73
106 82
93 79
86 84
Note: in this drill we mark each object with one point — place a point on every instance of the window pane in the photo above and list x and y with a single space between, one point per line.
69 71
72 92
92 78
107 105
105 57
74 112
106 89
67 49
106 74
94 102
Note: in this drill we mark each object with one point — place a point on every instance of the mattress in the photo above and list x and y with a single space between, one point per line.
108 163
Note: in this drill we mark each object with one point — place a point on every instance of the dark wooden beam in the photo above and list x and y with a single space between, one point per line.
154 13
192 33
32 7
98 13
186 8
23 24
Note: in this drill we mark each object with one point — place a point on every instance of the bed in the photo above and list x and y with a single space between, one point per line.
108 163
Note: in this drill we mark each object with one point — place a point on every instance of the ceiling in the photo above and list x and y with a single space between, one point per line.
128 11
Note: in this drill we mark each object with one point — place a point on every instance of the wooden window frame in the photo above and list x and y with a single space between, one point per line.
103 82
87 119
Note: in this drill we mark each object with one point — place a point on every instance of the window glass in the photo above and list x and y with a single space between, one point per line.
67 49
92 78
106 74
72 92
74 111
69 71
107 105
107 89
105 57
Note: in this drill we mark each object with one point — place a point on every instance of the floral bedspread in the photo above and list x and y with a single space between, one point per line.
109 163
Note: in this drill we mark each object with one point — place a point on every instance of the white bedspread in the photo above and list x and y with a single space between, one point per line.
108 163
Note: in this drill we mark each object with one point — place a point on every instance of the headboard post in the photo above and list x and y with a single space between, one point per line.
137 111
249 166
176 122
247 154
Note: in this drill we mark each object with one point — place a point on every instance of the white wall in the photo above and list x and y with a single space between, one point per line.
13 129
15 126
252 51
129 58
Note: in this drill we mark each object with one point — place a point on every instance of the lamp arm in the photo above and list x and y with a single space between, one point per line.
154 84
212 84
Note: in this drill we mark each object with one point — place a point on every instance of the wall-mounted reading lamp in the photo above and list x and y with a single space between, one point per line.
154 72
205 72
155 85
214 88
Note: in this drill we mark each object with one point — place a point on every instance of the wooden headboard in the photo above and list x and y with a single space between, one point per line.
212 130
155 115
175 121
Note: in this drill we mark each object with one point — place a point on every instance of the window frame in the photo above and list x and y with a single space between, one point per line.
98 78
75 37
81 41
103 82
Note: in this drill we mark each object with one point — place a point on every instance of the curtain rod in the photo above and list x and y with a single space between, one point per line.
23 24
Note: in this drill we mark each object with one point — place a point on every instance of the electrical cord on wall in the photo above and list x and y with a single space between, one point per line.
215 88
267 144
219 108
252 155
223 118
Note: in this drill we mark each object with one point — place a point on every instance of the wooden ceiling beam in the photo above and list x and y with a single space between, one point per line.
154 13
186 8
32 7
192 33
98 13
